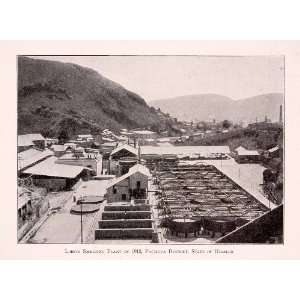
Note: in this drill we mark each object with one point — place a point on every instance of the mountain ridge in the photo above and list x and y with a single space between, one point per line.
204 107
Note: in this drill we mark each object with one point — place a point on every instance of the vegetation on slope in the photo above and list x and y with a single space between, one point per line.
55 96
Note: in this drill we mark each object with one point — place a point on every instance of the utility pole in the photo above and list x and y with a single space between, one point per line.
81 227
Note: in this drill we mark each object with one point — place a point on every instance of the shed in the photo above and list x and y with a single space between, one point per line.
244 155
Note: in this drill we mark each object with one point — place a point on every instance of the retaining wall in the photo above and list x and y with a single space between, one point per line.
113 215
127 208
129 233
128 223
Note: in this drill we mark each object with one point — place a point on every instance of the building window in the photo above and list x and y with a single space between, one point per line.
114 190
138 184
123 197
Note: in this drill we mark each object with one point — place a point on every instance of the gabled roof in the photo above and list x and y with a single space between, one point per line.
243 151
48 167
240 148
31 156
125 147
28 139
138 168
24 141
274 149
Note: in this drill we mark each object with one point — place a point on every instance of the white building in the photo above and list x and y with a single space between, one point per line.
130 186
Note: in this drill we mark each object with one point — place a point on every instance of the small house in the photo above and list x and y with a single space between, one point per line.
274 152
246 156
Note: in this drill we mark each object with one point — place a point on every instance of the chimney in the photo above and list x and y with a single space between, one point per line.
280 114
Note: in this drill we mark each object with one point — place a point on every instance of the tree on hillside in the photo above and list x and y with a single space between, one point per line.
226 124
63 136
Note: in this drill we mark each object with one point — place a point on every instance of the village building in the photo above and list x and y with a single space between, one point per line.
58 150
70 145
187 151
144 134
50 141
246 156
130 186
122 158
89 158
85 137
27 141
273 152
196 136
55 176
107 147
31 157
31 206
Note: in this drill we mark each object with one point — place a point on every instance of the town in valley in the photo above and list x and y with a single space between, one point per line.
98 165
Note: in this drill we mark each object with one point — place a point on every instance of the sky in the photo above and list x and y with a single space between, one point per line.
160 77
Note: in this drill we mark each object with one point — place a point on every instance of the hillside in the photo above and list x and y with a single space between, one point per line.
55 96
204 107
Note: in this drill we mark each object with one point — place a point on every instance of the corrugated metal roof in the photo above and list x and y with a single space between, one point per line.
48 167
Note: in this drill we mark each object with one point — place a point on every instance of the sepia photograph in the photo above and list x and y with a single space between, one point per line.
150 149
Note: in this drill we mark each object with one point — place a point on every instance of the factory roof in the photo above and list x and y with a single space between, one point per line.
49 168
31 156
177 150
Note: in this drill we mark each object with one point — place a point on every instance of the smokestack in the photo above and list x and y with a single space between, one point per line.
139 154
280 114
